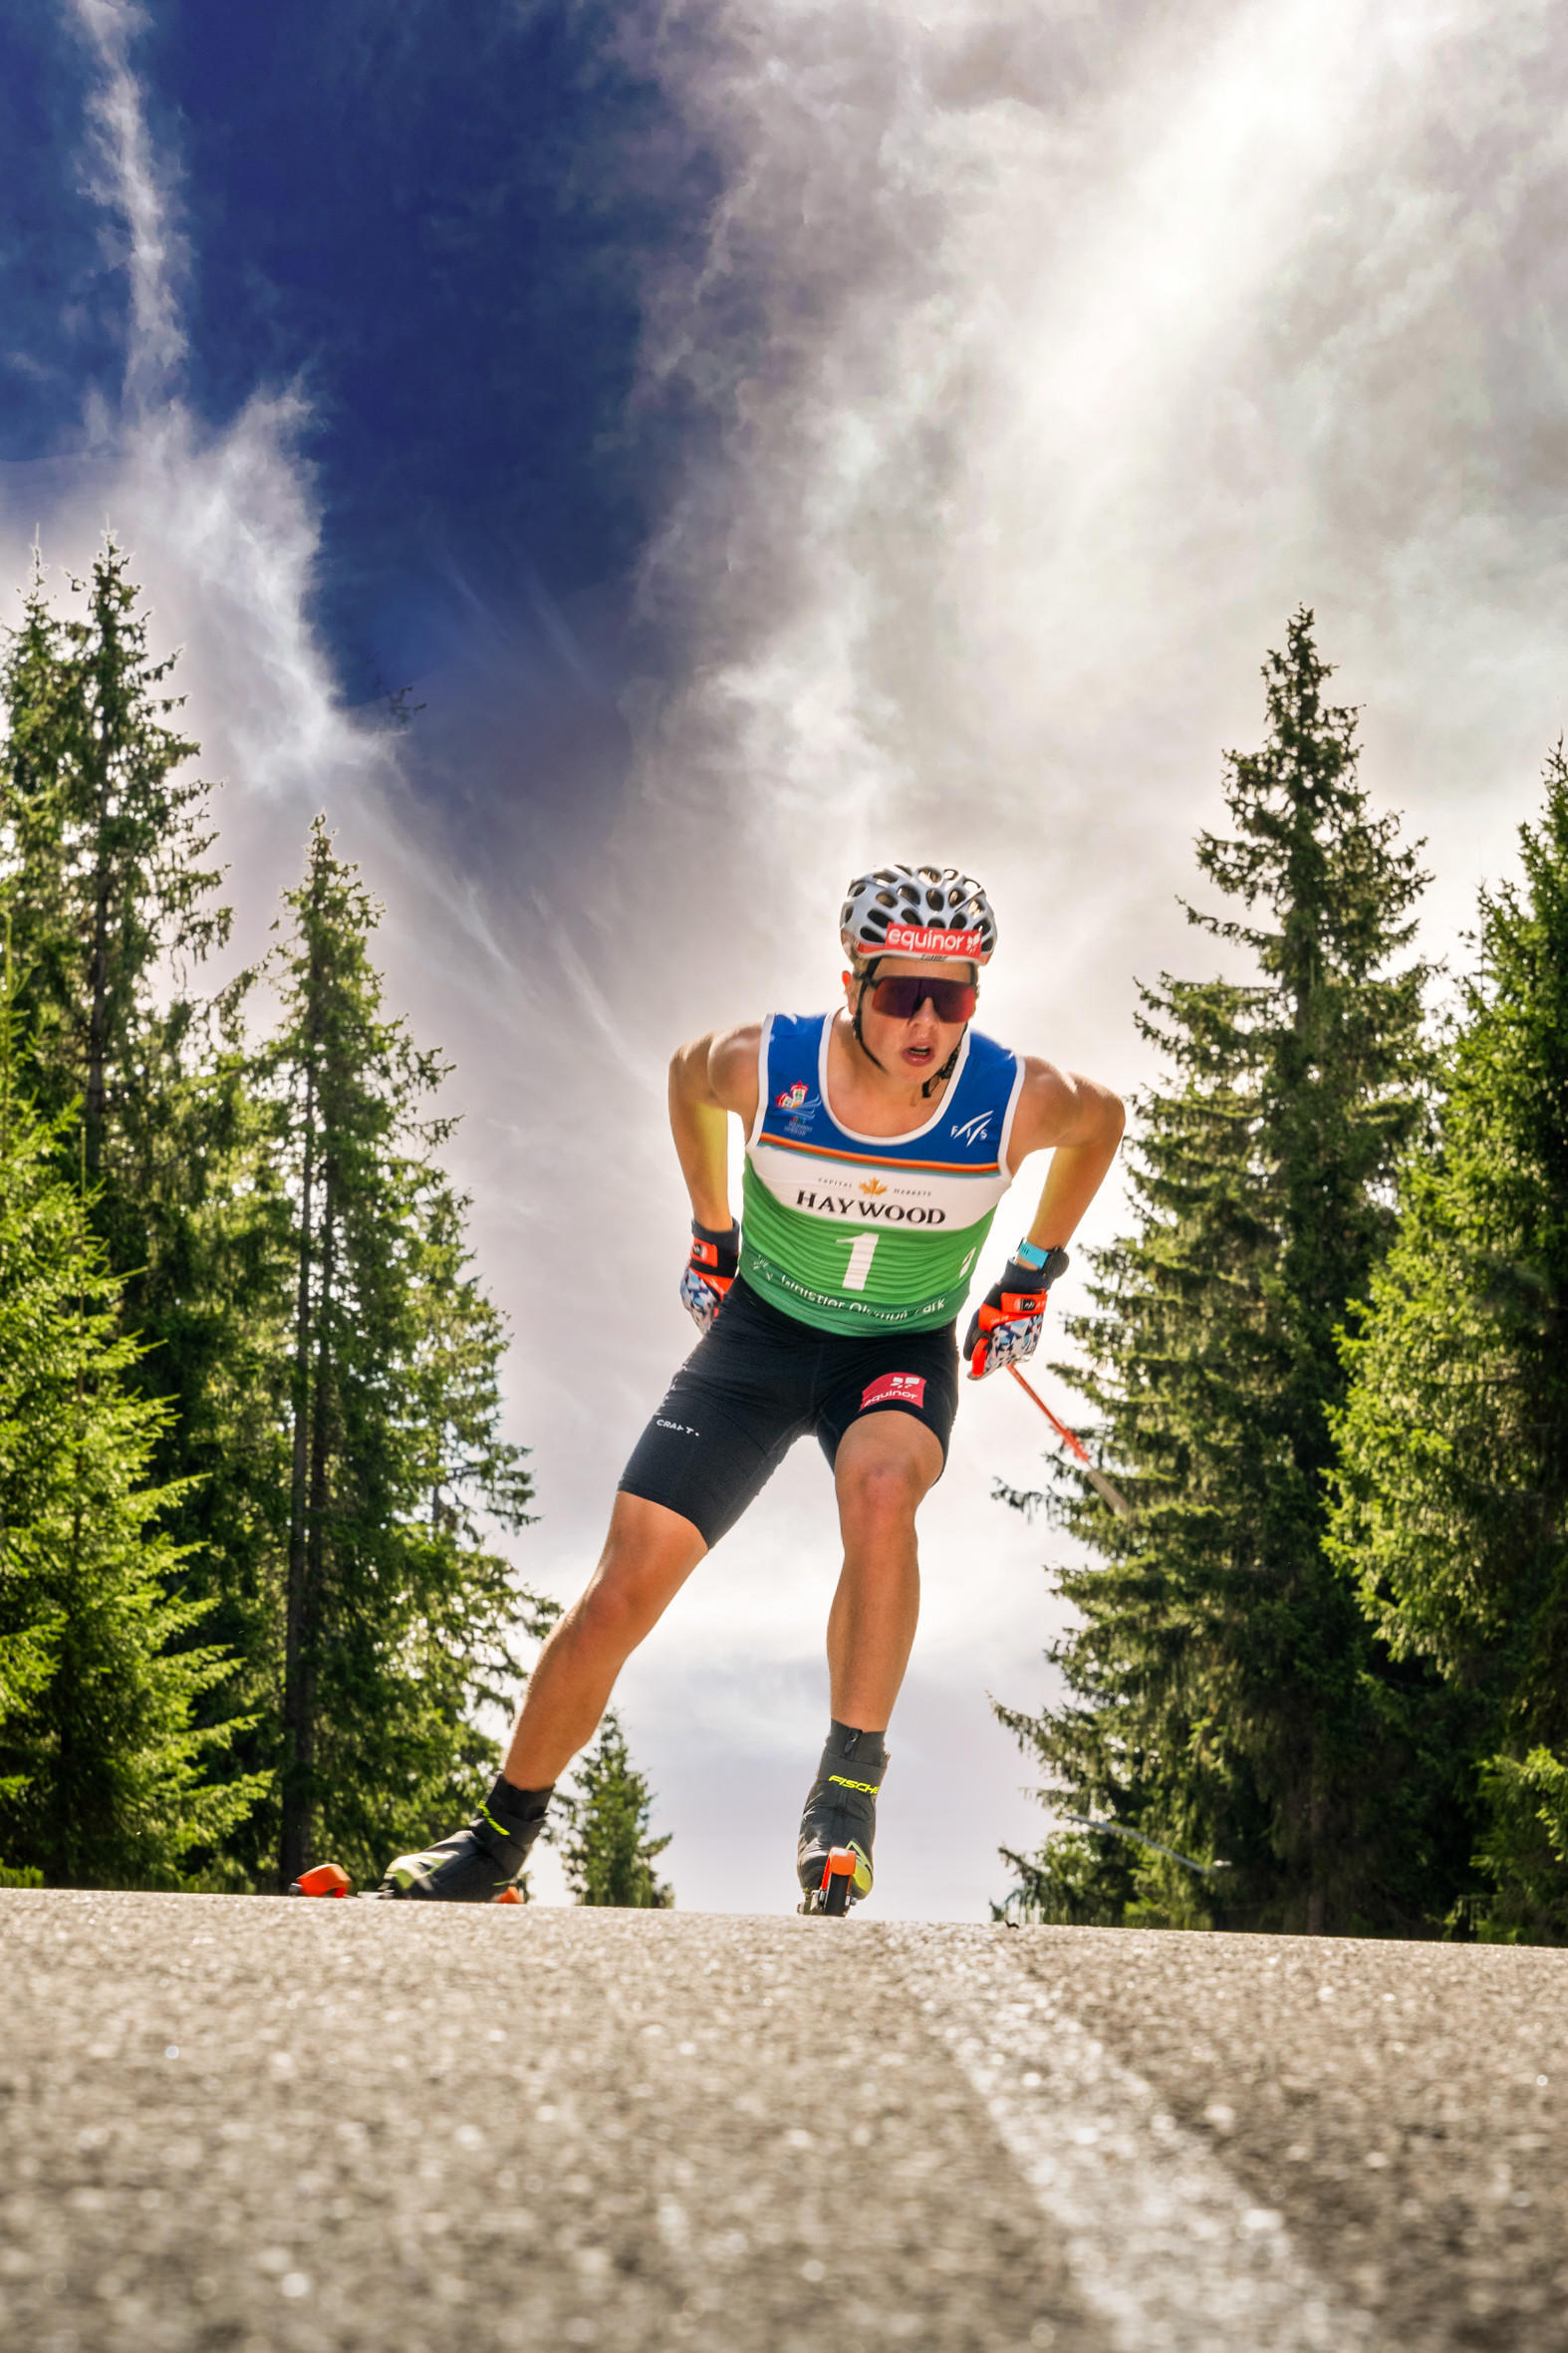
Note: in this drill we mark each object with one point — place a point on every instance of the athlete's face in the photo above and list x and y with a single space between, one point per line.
916 1046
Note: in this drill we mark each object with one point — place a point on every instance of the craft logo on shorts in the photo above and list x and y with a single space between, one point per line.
908 939
895 1388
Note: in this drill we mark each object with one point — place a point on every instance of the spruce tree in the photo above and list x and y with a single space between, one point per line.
401 1618
608 1853
1454 1480
108 885
105 1774
1227 1699
113 908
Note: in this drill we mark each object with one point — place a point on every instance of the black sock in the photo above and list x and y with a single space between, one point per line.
517 1809
864 1752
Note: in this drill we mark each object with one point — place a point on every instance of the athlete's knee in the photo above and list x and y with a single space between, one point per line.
884 1489
639 1571
615 1610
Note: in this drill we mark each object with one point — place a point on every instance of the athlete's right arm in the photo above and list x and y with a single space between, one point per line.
708 1079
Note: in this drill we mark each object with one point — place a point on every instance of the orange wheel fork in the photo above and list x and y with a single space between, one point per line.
327 1879
837 1877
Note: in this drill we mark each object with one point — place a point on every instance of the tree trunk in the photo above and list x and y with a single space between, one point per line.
95 1093
1317 1856
315 1514
298 1729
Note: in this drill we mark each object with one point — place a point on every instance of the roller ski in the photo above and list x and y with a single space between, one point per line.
480 1864
830 1895
839 1824
330 1879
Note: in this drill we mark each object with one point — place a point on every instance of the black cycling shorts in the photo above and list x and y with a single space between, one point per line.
756 1381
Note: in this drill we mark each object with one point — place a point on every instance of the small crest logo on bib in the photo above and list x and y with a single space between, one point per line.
796 1100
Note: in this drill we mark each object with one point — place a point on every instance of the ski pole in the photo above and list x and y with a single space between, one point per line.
1121 1830
1113 1496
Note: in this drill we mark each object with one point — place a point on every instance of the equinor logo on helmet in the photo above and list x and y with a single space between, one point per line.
905 940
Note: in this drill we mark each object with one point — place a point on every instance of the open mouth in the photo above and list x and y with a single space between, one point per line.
918 1056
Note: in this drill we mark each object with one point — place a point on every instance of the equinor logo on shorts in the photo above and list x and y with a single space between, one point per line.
895 1388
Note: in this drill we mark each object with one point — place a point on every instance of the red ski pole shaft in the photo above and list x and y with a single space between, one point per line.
1060 1427
1109 1495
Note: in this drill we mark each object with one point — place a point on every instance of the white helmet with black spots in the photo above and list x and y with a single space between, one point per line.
930 911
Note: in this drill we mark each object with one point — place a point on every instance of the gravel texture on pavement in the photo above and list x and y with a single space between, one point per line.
247 2125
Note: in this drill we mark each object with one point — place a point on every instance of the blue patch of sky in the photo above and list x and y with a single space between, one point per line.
438 218
64 297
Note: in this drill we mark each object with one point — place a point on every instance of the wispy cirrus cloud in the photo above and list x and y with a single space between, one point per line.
221 522
134 181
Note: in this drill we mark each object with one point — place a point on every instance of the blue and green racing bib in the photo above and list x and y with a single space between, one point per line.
867 1233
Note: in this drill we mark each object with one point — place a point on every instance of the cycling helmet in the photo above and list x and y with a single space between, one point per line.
930 911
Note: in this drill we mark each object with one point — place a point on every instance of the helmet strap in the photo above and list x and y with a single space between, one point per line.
868 981
938 1077
946 1072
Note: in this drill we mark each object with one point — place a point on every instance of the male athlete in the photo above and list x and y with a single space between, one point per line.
879 1142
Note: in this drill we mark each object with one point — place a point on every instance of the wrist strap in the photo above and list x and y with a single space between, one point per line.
719 1237
1032 1256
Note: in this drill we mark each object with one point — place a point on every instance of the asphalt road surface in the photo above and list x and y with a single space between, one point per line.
258 2126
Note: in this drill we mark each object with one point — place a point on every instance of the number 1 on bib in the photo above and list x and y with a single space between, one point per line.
863 1249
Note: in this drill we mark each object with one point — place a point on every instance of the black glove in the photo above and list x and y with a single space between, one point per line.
709 1271
1005 1328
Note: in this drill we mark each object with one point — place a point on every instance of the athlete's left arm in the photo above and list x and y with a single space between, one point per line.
1080 1123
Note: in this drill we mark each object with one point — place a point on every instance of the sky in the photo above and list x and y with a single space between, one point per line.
766 437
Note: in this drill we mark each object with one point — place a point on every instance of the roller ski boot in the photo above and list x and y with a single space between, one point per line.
480 1864
839 1824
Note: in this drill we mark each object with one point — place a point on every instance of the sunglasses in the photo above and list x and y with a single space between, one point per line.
902 997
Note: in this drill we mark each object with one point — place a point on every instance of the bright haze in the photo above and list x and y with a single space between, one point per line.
768 439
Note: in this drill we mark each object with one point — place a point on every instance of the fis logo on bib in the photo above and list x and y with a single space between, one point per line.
975 1131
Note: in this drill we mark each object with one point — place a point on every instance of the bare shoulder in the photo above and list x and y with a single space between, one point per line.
1057 1106
732 1067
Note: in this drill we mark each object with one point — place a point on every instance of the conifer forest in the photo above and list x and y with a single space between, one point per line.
1317 1679
259 1593
254 1602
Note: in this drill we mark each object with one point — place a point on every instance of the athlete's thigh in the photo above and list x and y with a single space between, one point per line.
649 1554
725 1423
890 1458
895 1401
647 1539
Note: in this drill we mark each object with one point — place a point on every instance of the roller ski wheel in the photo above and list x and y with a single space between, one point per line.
327 1879
830 1897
